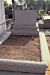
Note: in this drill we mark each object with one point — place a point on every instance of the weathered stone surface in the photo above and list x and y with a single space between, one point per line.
25 22
4 36
16 73
24 32
2 17
26 17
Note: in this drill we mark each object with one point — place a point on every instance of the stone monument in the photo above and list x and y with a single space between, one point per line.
25 22
3 33
2 17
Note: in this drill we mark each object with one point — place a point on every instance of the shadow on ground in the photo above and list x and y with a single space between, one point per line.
17 40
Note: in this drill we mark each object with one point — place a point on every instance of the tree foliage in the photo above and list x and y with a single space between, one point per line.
30 2
37 3
5 4
20 1
10 5
44 5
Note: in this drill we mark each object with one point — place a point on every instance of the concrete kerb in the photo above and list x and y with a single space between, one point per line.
43 56
44 47
27 66
23 63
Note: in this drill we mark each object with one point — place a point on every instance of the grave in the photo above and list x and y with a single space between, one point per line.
26 47
45 22
25 22
24 25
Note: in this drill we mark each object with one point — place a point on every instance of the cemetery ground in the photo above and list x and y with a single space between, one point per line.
21 48
48 42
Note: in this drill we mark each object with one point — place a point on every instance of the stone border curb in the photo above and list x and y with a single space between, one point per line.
44 47
27 66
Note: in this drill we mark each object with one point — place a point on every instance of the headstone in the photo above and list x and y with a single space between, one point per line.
25 22
25 17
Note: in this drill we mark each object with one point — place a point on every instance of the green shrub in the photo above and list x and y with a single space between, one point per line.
41 12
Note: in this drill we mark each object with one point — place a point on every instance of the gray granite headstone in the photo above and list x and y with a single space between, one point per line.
25 17
25 22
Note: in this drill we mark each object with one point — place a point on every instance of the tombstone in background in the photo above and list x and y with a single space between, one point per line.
22 6
2 17
45 22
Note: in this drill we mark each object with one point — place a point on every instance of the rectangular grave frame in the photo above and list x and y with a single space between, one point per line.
28 66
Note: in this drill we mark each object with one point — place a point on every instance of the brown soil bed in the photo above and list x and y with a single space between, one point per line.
21 48
48 42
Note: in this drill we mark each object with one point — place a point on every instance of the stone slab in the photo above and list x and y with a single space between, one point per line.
4 36
47 17
41 24
24 32
25 28
8 21
2 28
47 25
25 17
47 21
22 66
16 73
44 25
